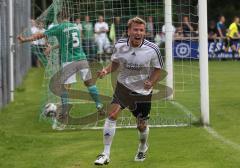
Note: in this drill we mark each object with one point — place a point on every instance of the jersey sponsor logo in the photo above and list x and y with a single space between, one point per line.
133 66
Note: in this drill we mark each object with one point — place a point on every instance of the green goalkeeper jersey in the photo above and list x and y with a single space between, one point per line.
68 36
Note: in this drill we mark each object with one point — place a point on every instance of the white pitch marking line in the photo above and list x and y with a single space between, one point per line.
210 130
221 138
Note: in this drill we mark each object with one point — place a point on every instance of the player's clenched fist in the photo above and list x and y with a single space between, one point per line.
148 84
102 73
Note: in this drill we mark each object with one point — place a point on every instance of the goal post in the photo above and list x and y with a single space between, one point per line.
11 48
203 56
169 45
203 61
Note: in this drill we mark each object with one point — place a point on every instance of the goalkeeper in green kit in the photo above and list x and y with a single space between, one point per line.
70 48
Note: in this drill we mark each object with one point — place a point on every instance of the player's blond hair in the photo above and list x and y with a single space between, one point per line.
137 20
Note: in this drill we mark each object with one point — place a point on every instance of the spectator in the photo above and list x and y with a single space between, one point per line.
233 36
178 33
40 29
33 26
35 61
150 28
221 27
158 39
79 25
172 30
41 44
103 44
88 39
187 27
212 31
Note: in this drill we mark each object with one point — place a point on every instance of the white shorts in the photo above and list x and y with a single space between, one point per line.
102 44
85 73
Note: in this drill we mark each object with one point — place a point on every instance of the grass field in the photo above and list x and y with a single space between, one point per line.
26 142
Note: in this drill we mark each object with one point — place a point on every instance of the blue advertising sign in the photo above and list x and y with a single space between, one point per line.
189 50
186 49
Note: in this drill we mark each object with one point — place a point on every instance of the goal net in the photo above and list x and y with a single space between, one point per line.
183 109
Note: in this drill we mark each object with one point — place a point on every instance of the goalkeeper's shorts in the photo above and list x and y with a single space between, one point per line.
138 104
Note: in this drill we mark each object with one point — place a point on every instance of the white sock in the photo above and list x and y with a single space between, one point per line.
143 137
108 134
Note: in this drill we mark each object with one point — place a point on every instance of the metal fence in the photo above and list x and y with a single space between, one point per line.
21 57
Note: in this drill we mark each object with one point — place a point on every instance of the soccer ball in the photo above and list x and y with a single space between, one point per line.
50 110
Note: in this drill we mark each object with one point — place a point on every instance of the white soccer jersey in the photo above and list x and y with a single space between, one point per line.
41 41
136 64
80 26
34 30
101 26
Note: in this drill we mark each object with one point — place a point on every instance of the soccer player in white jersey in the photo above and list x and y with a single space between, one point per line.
140 64
101 28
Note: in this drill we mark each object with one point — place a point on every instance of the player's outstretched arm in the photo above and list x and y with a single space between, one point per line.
108 69
33 37
153 79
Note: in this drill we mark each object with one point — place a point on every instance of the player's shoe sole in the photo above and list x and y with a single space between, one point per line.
99 164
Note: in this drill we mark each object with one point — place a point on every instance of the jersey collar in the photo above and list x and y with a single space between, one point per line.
128 44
